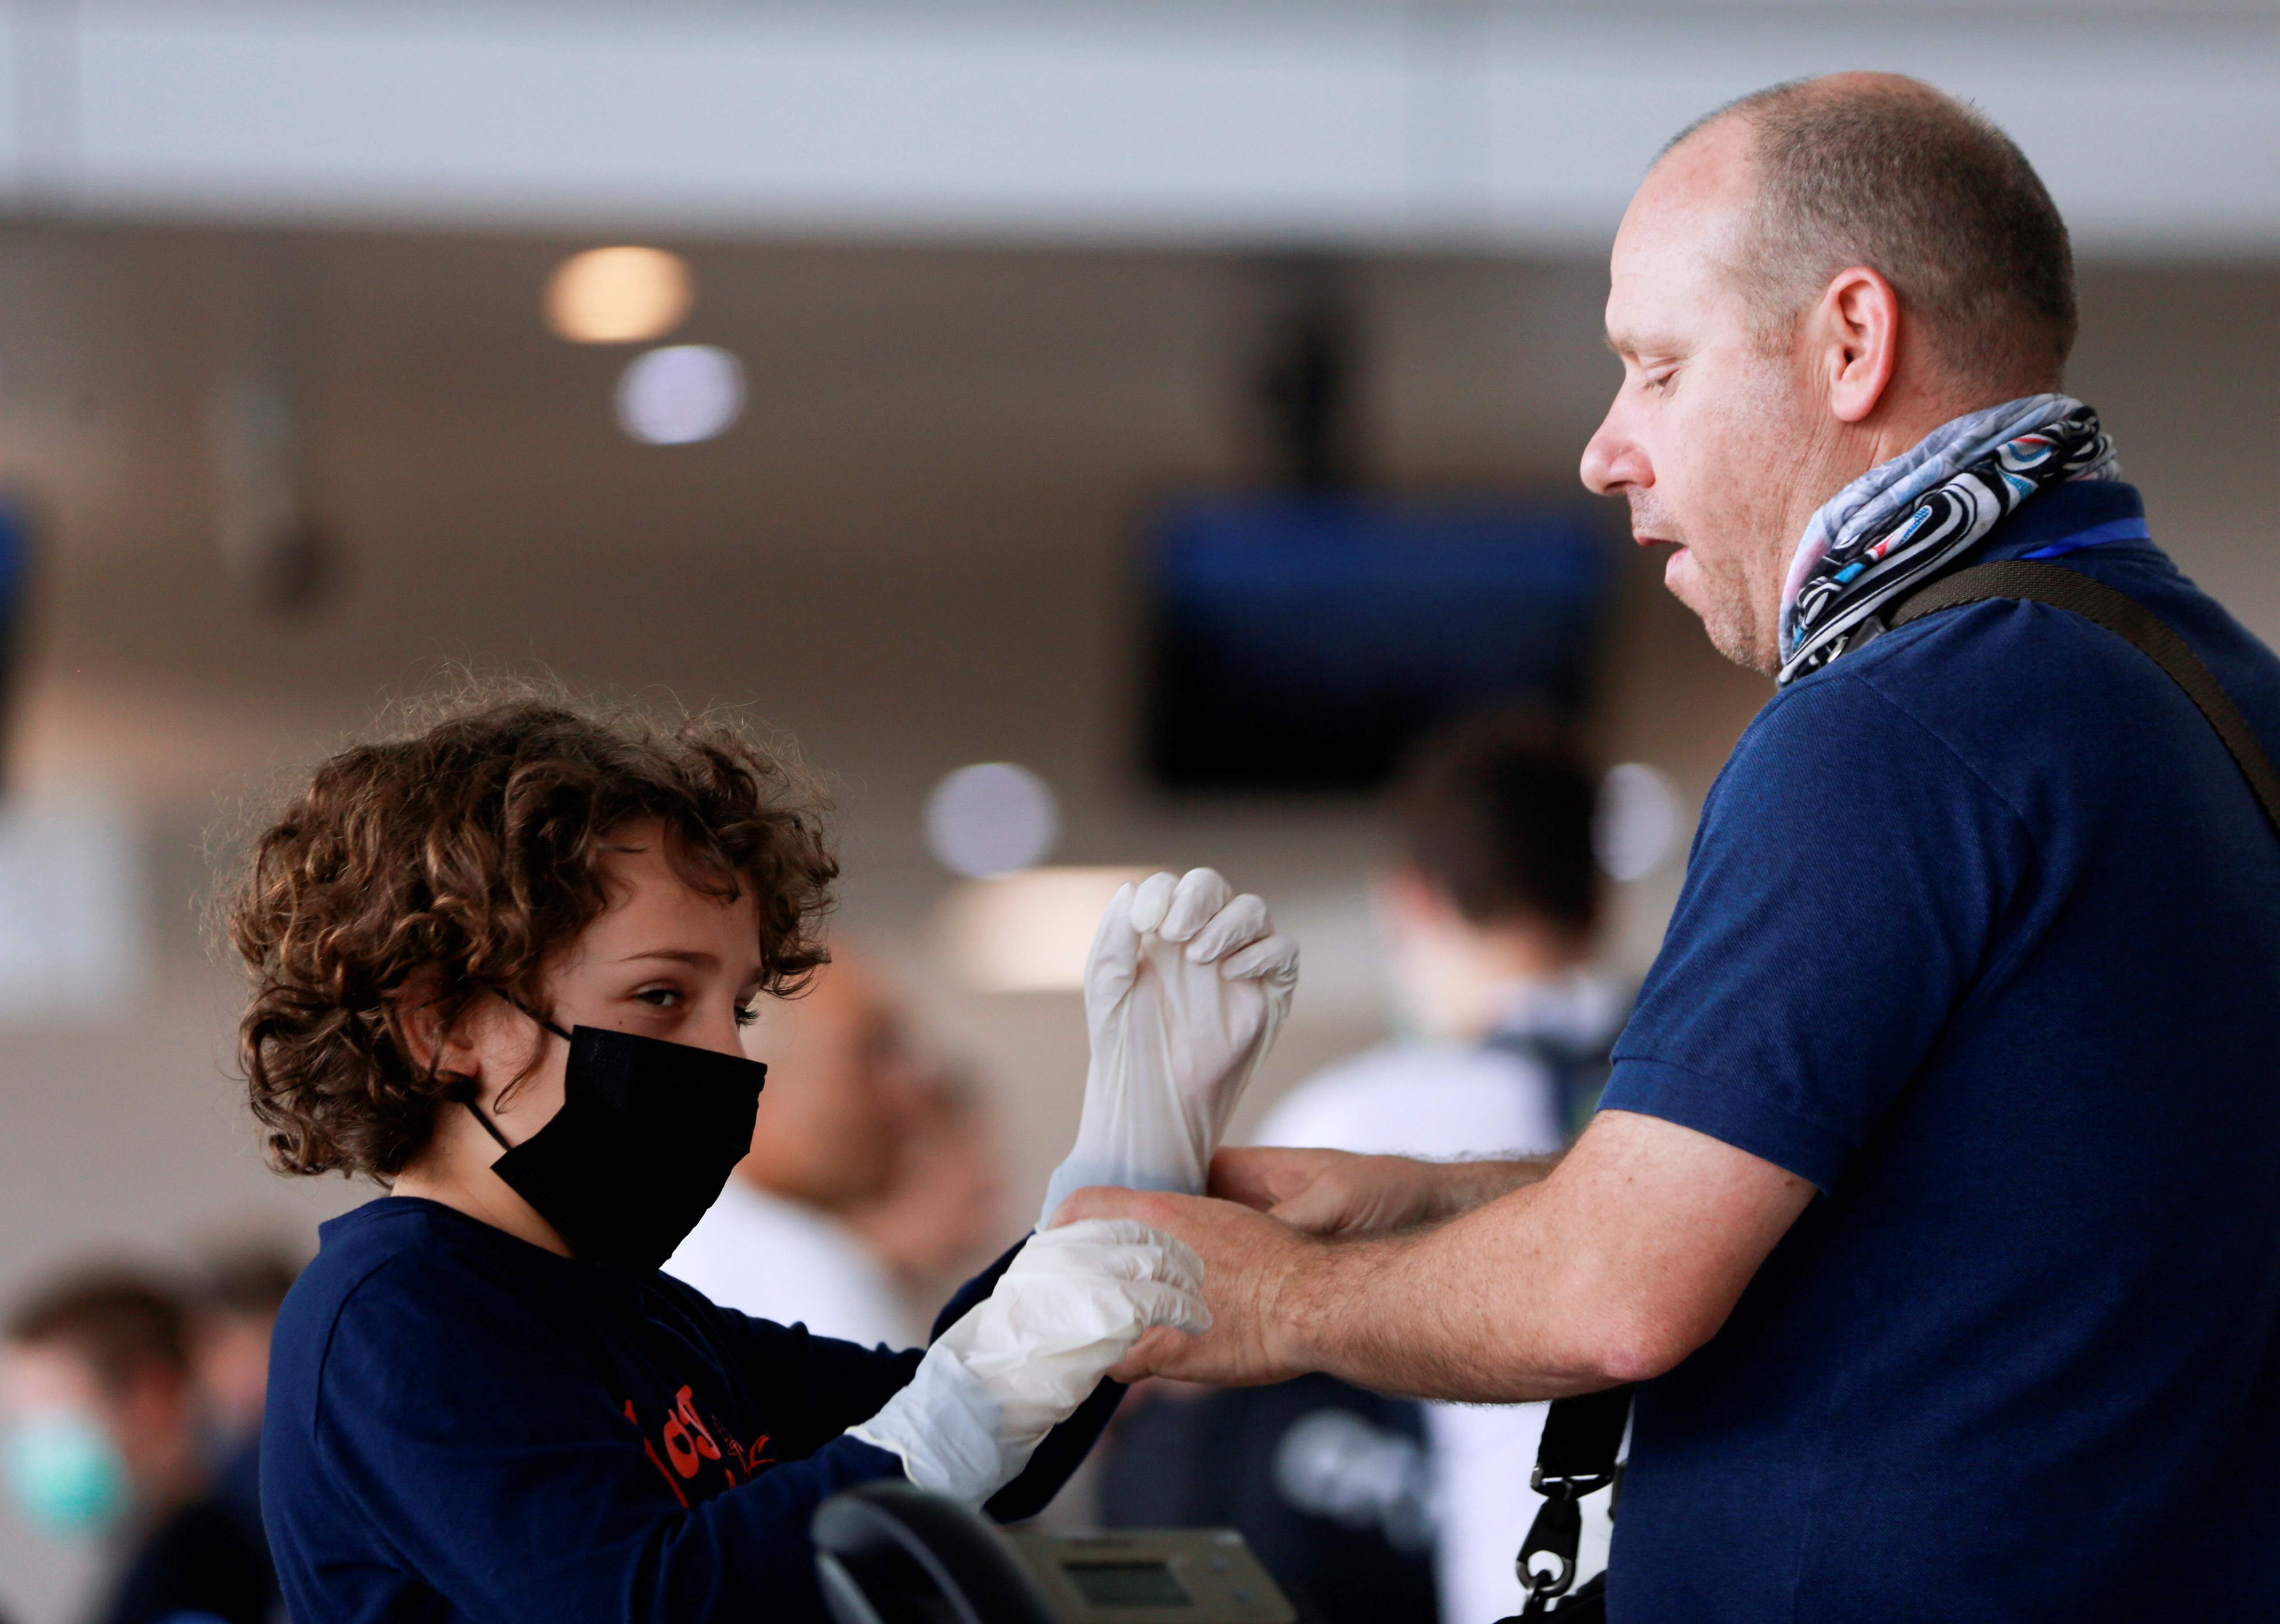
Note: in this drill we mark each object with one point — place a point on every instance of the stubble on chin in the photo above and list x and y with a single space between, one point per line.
1737 629
1722 599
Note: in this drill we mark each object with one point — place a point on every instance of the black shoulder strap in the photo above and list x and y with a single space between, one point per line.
1583 1436
2127 619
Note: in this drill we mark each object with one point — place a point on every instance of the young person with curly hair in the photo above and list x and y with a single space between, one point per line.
499 966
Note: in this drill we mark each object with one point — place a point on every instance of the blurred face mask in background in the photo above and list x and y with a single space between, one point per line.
64 1471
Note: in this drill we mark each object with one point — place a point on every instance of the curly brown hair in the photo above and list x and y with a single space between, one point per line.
457 860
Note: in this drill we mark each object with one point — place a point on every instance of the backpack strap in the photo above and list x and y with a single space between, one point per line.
1577 1073
2126 618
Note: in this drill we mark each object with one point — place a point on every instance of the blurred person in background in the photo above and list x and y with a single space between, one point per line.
233 1316
103 1439
1489 914
945 1202
854 1195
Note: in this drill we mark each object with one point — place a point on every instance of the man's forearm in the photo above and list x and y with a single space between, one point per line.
1612 1271
1453 1312
1616 1264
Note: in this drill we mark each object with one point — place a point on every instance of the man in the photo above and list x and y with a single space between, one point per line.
103 1440
1488 910
811 1230
1931 1200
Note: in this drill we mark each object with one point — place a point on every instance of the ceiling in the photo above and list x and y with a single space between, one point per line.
1356 123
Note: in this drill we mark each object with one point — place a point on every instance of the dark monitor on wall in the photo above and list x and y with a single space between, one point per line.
17 538
1300 642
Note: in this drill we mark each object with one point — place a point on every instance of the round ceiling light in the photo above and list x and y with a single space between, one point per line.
1639 821
681 394
618 296
992 818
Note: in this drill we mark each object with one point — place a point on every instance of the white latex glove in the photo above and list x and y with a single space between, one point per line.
1186 988
1069 1306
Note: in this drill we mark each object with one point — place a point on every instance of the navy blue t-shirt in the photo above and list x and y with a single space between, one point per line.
463 1426
1981 934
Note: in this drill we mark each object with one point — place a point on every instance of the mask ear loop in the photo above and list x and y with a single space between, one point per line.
462 1090
535 1016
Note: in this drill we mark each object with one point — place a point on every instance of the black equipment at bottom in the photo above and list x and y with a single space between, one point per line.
1583 1436
1328 1486
888 1553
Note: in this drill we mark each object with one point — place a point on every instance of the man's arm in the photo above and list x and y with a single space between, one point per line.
1614 1267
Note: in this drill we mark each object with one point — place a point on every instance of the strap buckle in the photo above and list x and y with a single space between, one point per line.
1556 1533
1577 1486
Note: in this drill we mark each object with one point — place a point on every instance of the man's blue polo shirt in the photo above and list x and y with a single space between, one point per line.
1981 934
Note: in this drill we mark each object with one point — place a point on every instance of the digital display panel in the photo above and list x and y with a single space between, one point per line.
1303 641
1128 1584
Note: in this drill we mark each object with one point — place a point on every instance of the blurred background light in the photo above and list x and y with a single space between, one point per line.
1638 822
1028 932
681 394
618 296
992 818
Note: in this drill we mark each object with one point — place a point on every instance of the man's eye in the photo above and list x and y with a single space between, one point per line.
663 997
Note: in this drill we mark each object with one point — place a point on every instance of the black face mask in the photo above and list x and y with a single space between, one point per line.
648 1134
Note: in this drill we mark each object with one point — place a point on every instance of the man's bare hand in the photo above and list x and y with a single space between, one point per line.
1335 1192
1247 1258
1328 1192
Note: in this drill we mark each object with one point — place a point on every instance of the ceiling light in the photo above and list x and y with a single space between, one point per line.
1029 932
1637 827
618 296
681 394
992 818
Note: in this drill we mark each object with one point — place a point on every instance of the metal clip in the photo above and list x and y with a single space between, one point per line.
1556 1533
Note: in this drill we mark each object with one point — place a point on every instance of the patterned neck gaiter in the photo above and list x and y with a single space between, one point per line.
1905 521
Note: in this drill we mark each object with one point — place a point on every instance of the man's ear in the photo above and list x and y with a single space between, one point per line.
1855 334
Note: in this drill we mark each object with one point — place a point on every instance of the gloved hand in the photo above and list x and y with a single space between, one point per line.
1069 1306
1185 990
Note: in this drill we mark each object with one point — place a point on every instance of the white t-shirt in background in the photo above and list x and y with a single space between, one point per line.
1452 1100
777 1259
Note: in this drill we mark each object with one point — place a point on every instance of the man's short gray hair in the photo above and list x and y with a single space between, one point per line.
1894 175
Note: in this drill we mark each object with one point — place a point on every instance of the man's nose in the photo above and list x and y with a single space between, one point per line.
1613 462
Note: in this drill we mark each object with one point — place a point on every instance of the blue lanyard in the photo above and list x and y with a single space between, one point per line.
2113 530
